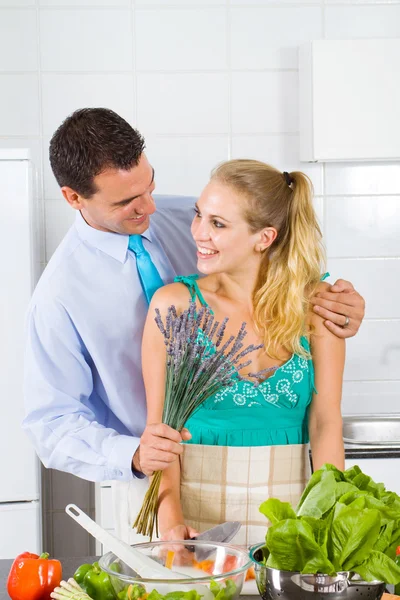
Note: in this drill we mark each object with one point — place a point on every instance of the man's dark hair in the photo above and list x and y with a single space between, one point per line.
90 141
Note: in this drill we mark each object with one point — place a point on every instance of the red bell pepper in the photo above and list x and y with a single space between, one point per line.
33 577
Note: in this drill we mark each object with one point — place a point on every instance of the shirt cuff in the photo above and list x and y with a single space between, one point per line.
120 460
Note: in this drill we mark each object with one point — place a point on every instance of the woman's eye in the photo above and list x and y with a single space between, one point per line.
218 225
197 212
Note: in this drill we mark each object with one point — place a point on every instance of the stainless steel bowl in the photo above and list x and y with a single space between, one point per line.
289 585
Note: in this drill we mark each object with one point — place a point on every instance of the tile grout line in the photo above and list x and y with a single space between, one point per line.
134 64
365 258
41 130
199 5
230 81
369 381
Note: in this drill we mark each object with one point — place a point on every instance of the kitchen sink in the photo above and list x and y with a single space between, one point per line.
372 430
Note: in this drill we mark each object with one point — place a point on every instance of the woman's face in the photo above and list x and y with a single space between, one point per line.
224 241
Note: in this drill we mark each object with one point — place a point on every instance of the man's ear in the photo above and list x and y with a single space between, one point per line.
72 197
267 237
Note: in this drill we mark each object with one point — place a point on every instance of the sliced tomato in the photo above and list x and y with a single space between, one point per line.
230 563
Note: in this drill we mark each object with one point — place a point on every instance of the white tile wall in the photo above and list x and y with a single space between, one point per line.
86 40
363 226
357 21
58 219
374 353
183 164
191 40
362 178
376 278
267 2
169 3
80 3
16 3
268 37
18 52
19 104
361 396
206 80
192 103
265 102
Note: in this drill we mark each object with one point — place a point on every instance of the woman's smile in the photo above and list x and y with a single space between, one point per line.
206 253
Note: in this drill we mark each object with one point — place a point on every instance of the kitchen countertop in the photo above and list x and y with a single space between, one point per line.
69 567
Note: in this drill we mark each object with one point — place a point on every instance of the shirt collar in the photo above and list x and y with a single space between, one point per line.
113 244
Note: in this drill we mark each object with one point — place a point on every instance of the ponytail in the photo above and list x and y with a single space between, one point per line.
291 267
289 274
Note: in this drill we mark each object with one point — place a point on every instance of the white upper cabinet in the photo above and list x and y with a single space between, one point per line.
350 100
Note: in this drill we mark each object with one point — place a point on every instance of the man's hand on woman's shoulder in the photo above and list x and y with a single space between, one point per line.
341 307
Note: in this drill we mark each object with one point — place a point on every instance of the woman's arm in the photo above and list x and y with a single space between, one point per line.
170 517
325 419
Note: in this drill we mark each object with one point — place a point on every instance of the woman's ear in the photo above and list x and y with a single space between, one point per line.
267 237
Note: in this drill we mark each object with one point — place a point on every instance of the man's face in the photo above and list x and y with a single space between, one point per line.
123 201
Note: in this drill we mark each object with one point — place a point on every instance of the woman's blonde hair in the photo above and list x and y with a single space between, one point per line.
291 267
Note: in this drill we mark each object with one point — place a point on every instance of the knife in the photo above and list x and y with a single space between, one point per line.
221 533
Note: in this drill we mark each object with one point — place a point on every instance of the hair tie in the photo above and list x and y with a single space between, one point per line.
287 177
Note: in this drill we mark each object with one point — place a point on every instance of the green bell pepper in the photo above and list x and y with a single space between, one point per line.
95 582
81 571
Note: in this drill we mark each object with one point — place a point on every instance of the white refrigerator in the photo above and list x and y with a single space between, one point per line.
21 253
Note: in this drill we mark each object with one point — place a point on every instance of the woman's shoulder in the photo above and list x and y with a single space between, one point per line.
175 293
315 320
322 286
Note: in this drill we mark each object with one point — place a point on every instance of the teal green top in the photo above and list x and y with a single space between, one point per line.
273 413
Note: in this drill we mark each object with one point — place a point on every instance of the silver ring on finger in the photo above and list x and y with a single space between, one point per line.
346 322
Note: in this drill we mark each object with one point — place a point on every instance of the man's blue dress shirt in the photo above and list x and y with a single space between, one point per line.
84 392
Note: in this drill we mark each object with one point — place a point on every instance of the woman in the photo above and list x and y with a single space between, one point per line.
259 247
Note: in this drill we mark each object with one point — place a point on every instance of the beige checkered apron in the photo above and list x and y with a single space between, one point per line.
228 483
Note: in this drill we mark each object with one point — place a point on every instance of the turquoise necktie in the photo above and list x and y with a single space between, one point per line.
149 276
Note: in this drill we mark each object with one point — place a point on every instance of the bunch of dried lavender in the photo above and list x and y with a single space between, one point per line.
198 365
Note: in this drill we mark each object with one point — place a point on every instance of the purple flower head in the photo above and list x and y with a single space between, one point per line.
220 332
159 322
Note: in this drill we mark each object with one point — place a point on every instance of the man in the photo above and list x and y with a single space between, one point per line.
85 400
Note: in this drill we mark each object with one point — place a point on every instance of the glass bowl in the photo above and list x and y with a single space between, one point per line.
209 570
274 584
